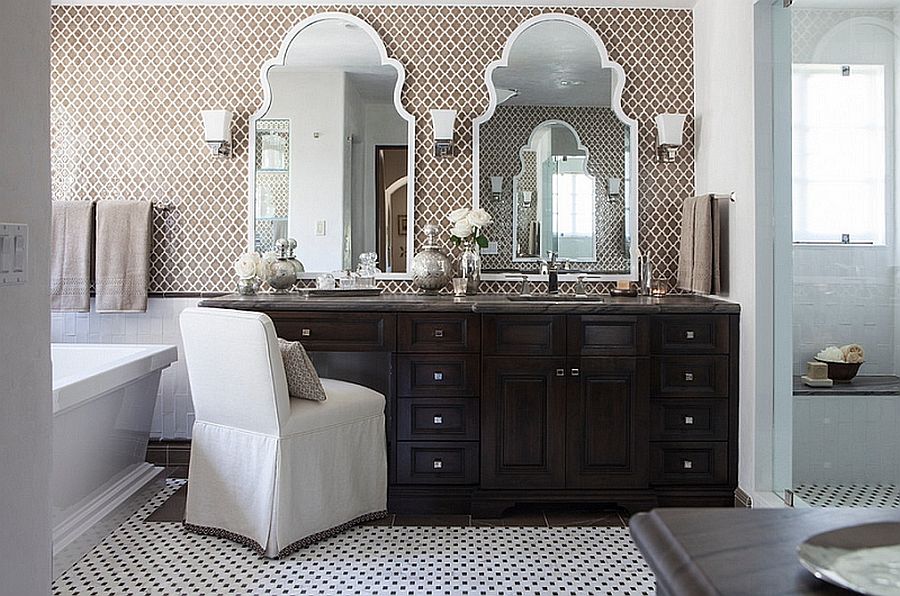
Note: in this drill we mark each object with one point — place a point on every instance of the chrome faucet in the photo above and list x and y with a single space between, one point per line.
551 270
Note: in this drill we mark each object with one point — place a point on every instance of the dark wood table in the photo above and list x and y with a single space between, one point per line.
738 551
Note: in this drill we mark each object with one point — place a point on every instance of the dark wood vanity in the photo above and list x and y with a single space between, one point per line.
493 402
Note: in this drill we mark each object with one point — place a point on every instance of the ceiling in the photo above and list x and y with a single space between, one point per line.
555 63
334 45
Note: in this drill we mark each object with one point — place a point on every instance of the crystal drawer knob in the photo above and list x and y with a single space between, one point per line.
560 372
439 333
437 464
688 419
688 335
438 419
687 464
304 332
688 376
438 375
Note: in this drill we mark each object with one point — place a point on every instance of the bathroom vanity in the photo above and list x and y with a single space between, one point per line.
494 401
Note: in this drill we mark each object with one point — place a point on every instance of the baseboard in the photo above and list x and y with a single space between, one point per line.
91 522
742 498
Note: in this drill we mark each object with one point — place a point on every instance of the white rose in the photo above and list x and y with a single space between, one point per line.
458 214
479 218
462 229
246 265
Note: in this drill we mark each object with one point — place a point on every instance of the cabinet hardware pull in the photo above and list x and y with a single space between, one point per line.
688 464
688 376
575 372
560 372
437 464
438 375
688 419
438 419
439 333
304 332
688 334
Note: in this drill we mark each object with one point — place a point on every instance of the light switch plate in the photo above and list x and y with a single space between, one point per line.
320 227
13 254
490 249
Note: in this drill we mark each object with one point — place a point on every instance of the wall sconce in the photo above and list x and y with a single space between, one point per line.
217 131
496 187
614 187
443 121
526 198
670 132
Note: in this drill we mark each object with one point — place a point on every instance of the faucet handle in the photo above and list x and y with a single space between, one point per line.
525 287
551 256
579 286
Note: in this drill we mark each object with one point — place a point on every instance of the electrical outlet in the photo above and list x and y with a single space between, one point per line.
490 249
13 254
320 227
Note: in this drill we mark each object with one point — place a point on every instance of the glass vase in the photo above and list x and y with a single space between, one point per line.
470 265
248 286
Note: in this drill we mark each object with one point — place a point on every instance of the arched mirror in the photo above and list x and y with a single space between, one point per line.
555 161
331 150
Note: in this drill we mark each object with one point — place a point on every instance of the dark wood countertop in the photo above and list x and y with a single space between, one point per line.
700 552
487 303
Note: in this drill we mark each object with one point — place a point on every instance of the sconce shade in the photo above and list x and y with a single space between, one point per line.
614 186
443 121
496 184
216 125
217 131
670 129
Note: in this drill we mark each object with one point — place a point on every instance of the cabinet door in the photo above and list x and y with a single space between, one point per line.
523 418
607 423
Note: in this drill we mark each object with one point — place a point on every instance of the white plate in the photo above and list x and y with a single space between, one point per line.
865 559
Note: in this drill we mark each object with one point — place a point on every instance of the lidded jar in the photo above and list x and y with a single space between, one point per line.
283 271
431 267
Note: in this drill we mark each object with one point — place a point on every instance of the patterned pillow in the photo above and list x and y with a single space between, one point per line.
302 378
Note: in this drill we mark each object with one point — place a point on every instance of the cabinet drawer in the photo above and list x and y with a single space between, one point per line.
439 333
600 335
688 463
449 418
523 335
677 419
433 375
337 332
437 463
690 376
688 334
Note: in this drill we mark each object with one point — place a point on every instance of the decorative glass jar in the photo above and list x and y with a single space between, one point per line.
431 268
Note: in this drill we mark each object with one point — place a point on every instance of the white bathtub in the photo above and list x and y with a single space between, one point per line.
103 401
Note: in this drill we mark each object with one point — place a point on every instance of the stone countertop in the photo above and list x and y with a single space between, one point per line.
861 385
484 303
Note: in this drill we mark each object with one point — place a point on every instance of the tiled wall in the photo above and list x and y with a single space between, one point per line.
174 413
846 440
128 83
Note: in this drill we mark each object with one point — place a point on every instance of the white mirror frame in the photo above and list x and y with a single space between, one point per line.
515 212
279 60
631 199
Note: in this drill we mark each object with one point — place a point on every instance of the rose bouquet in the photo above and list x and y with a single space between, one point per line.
468 226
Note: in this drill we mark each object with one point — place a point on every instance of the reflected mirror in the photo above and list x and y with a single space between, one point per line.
332 149
554 162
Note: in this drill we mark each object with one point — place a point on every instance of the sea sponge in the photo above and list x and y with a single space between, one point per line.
853 353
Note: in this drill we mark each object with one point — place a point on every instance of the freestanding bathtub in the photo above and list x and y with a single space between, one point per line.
103 401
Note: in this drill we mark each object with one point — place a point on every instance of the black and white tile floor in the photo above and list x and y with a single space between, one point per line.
160 558
850 495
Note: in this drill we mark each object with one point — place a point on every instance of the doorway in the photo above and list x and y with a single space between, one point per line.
391 217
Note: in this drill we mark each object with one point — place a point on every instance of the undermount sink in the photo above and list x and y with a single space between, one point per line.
556 298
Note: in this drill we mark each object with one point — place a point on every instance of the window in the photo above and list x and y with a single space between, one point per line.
573 198
839 153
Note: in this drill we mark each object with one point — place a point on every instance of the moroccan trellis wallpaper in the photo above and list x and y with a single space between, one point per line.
128 83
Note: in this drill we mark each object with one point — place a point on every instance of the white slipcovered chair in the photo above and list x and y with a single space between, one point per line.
270 471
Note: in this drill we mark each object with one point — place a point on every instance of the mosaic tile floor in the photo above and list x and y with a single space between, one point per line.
852 495
143 557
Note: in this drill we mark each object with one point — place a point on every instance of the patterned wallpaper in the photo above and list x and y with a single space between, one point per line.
128 83
508 130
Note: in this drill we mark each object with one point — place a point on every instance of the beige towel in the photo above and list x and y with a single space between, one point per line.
700 255
123 255
70 255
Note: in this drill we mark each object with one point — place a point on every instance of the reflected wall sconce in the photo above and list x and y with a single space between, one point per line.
217 131
442 122
526 198
496 187
614 187
670 136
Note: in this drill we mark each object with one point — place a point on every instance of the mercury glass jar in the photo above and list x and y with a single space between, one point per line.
282 271
431 268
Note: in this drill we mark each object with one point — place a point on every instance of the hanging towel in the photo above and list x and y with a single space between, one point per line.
700 254
123 255
70 255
